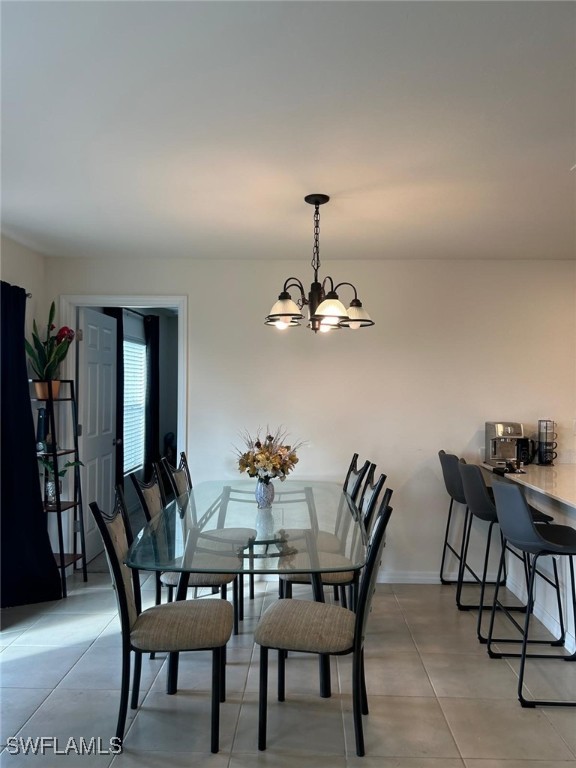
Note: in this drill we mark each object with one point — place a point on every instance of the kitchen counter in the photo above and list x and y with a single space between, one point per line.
557 482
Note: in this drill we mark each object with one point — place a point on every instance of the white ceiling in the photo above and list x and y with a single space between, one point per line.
194 129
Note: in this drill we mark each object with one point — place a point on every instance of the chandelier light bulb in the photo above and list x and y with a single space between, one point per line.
357 316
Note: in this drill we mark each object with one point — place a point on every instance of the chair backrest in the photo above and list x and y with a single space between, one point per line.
370 572
117 538
515 518
369 498
452 480
355 476
179 476
151 495
476 493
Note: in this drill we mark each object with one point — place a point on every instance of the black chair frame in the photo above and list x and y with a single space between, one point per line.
140 486
512 494
170 470
453 482
218 654
359 693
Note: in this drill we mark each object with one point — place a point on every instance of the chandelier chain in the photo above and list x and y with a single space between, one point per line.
316 249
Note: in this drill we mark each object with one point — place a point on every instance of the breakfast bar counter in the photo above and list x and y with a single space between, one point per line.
557 482
551 488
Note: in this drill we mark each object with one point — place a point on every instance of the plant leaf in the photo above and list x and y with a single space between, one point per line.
51 316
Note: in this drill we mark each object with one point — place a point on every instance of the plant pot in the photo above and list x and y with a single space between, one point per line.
42 389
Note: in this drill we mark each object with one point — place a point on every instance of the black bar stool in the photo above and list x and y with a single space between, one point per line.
450 470
519 530
449 464
483 508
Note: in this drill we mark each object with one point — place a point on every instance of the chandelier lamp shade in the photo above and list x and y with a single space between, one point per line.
325 310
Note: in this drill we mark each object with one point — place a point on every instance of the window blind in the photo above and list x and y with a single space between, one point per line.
134 404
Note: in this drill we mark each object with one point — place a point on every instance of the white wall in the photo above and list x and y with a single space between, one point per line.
456 343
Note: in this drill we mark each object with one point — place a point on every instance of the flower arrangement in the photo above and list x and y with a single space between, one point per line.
46 356
268 457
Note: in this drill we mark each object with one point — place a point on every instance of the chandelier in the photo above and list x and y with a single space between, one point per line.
325 311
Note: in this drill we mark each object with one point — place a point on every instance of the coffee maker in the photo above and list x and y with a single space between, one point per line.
505 443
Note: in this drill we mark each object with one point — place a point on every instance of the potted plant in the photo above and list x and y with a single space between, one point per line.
46 355
50 476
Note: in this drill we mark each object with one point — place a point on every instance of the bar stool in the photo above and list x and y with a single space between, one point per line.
456 493
483 508
453 482
519 530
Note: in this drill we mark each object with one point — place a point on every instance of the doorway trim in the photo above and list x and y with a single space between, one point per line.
69 303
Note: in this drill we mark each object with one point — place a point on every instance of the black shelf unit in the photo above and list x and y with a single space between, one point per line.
66 397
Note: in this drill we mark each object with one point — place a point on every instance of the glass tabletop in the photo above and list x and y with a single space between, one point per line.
311 527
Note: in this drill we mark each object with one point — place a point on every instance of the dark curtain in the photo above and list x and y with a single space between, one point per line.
152 447
28 570
117 313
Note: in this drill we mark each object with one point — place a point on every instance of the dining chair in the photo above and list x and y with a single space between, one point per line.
324 629
179 477
483 508
355 476
332 541
152 500
363 497
186 625
340 579
537 541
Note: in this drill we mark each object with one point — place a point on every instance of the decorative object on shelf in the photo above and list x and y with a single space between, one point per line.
50 490
43 392
41 430
46 356
49 476
267 458
326 311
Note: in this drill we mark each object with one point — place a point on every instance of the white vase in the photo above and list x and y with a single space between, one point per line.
264 525
264 494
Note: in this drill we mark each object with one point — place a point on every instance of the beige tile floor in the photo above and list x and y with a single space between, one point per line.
436 699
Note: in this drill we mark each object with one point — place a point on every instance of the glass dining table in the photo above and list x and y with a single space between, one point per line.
312 527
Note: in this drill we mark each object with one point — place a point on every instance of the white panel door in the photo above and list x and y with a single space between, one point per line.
97 415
